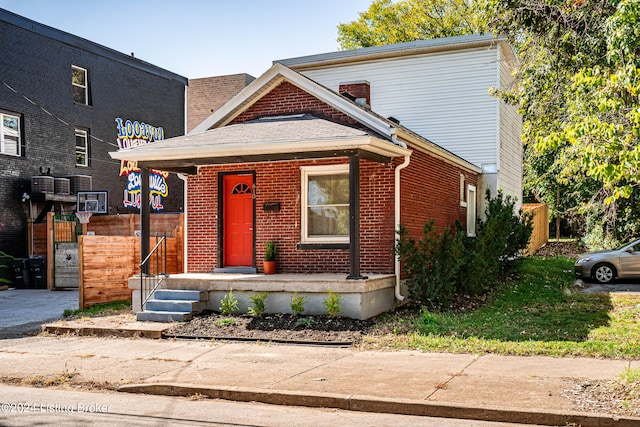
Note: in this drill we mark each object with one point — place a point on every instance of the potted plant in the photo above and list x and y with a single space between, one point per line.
270 251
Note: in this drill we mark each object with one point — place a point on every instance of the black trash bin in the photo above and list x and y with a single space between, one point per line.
38 270
21 274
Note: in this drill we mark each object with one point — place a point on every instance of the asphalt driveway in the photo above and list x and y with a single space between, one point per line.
23 311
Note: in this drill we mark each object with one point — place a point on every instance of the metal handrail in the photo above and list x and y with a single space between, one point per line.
159 254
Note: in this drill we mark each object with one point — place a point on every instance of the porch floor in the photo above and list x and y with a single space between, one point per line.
307 283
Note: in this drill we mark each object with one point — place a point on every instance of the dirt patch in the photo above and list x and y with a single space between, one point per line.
568 249
274 327
605 397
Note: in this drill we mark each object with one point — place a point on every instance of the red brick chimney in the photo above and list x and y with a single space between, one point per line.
359 91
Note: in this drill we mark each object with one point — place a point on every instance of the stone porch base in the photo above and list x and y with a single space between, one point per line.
361 299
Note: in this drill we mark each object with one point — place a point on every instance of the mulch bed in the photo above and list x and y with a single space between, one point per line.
274 327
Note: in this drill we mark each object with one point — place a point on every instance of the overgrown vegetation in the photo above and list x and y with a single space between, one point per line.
442 265
535 313
98 309
4 256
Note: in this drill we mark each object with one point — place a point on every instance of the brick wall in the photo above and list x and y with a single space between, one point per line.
281 182
206 95
41 71
430 189
289 99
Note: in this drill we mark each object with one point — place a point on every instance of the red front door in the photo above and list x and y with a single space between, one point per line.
238 220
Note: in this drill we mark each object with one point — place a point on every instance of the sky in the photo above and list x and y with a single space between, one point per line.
200 38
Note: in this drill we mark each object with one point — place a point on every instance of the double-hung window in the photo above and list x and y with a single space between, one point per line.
325 204
10 134
80 85
82 148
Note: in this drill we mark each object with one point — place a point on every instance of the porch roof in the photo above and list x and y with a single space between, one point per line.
269 138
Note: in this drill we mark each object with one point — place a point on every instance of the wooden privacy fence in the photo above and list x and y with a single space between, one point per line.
107 262
540 235
110 256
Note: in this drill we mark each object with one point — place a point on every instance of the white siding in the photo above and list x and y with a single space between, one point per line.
441 96
510 174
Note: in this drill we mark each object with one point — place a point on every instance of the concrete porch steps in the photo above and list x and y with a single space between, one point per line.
169 305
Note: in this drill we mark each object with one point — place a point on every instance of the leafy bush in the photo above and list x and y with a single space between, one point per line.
3 266
259 301
441 265
432 264
333 303
297 303
229 304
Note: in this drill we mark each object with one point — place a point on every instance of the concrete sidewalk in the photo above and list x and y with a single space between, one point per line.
487 387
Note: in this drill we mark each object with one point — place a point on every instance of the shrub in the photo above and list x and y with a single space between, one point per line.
3 266
259 301
297 303
270 251
229 304
441 265
432 264
333 303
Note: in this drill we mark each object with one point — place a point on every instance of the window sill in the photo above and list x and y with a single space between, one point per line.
321 246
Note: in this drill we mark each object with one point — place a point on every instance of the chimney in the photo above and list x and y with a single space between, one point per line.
359 91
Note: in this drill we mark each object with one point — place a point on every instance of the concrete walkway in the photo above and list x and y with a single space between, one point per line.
467 386
23 311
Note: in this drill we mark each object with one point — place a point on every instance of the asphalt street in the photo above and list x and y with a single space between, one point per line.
23 311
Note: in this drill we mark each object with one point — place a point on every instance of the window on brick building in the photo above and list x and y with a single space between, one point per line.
325 206
471 211
82 148
10 141
80 85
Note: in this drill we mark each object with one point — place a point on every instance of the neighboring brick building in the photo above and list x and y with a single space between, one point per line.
206 95
61 97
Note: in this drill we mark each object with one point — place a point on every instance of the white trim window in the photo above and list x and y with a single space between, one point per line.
325 204
463 200
10 142
80 85
471 211
82 148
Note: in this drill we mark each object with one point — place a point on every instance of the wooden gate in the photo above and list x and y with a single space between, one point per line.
66 230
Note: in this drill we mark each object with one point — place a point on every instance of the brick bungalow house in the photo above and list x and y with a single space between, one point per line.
319 173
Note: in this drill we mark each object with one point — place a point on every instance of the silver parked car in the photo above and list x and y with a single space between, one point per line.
605 266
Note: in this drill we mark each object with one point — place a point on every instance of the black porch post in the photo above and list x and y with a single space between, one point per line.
354 218
145 218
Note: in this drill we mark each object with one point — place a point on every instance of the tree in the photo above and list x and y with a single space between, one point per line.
389 22
578 94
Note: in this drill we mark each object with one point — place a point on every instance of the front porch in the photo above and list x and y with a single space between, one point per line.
361 298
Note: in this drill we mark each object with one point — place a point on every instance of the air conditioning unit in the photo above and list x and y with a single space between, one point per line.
42 184
80 183
62 185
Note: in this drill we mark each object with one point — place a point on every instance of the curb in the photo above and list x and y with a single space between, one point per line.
101 331
385 405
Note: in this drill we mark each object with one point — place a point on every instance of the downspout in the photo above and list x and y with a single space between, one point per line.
183 177
407 159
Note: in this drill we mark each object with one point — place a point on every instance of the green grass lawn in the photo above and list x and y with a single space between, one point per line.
538 312
98 309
